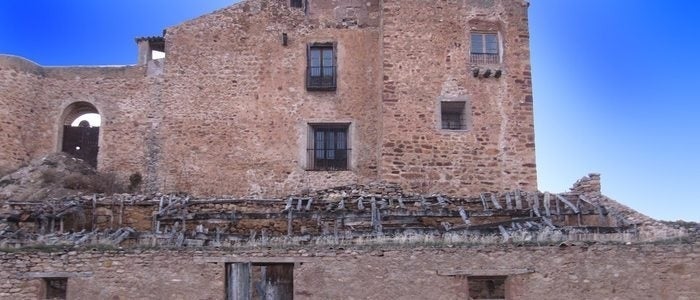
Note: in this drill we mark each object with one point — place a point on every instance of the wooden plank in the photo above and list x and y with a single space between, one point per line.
518 201
494 200
238 281
567 203
546 204
483 272
401 205
94 211
299 205
289 222
308 204
463 214
376 218
536 204
503 232
288 205
509 201
483 201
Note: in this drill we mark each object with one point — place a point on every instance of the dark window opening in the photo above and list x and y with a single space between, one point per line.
452 115
321 73
484 48
56 288
296 3
488 287
328 148
273 281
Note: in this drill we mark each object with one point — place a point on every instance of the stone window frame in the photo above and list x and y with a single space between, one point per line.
311 84
305 138
466 119
50 289
311 148
484 57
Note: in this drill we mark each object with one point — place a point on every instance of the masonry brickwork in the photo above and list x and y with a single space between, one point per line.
227 112
661 271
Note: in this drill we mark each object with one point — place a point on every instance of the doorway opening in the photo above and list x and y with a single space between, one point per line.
80 132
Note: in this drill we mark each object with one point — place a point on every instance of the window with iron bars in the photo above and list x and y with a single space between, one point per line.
452 115
321 73
484 48
328 149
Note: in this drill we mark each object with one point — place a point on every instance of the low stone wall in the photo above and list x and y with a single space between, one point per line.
640 271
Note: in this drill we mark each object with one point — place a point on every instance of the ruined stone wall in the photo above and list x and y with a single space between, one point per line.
426 60
645 271
237 108
19 80
120 95
36 98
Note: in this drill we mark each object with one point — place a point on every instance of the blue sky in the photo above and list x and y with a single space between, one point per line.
615 82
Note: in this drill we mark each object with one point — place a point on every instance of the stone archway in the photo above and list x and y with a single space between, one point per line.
80 137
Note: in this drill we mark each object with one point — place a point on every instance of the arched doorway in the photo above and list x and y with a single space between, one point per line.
81 130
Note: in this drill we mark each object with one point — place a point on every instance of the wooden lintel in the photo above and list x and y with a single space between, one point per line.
484 272
56 274
254 260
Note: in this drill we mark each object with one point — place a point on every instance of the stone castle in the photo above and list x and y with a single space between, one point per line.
266 99
312 149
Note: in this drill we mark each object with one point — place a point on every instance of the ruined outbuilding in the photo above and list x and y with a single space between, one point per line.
314 149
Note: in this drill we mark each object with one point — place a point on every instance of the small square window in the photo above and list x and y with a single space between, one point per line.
487 287
328 147
296 3
452 115
484 48
56 287
321 73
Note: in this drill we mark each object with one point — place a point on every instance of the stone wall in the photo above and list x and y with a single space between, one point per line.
644 271
425 61
242 126
37 100
227 111
19 80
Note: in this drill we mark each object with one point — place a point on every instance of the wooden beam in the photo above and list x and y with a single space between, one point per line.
567 203
483 272
494 200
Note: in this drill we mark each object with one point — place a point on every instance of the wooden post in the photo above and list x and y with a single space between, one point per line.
483 201
121 212
238 281
463 214
289 223
518 202
546 204
94 211
494 200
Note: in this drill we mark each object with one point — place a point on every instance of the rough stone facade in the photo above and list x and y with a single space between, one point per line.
581 271
227 112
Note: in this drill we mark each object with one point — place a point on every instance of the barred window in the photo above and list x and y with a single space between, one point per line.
452 115
484 48
328 149
321 73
